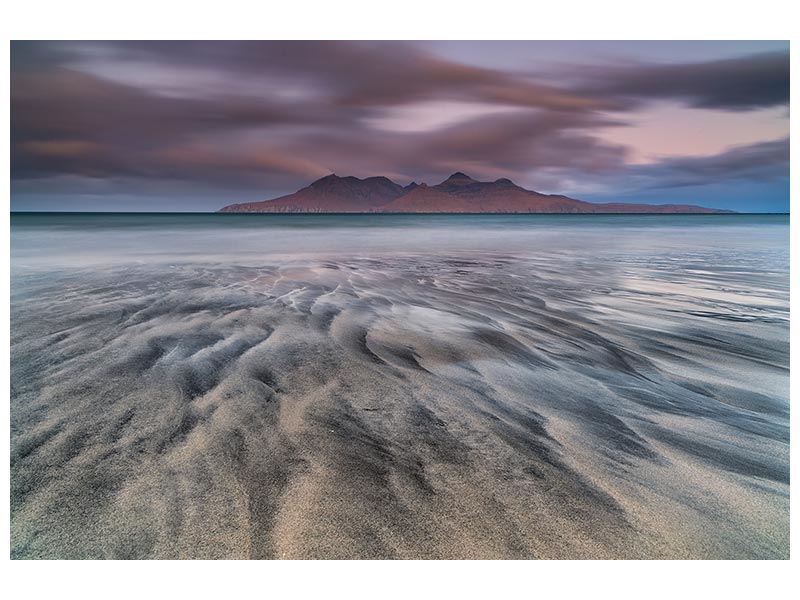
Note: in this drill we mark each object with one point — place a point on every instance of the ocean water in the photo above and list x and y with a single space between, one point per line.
413 386
90 238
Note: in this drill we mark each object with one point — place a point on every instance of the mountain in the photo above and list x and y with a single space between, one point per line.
331 194
459 193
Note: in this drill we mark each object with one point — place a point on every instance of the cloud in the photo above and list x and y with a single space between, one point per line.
766 161
68 122
273 115
121 127
764 164
355 74
749 82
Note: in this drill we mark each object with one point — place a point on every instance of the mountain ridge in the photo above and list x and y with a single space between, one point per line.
459 193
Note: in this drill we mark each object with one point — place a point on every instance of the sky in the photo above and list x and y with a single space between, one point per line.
194 126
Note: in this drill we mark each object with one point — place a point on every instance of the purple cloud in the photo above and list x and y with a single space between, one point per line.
273 115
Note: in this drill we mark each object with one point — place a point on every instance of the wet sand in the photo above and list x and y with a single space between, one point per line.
404 405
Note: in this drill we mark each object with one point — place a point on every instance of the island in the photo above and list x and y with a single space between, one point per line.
459 193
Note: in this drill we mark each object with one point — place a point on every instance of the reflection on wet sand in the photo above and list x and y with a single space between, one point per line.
414 406
484 386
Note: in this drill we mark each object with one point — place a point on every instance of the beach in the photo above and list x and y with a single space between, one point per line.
411 387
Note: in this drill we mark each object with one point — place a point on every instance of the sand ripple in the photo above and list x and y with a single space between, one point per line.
407 407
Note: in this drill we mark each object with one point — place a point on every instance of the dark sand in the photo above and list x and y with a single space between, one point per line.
519 405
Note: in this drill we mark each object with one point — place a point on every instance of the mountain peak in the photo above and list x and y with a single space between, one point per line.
327 179
458 175
457 181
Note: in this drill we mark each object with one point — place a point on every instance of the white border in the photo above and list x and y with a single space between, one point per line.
410 19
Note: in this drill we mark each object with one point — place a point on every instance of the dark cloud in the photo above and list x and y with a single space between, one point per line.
67 122
745 168
66 119
755 162
749 82
60 103
494 146
361 74
273 115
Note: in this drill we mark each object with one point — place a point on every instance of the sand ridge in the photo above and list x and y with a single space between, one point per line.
408 406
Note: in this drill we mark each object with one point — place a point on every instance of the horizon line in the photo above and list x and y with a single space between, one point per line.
376 213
